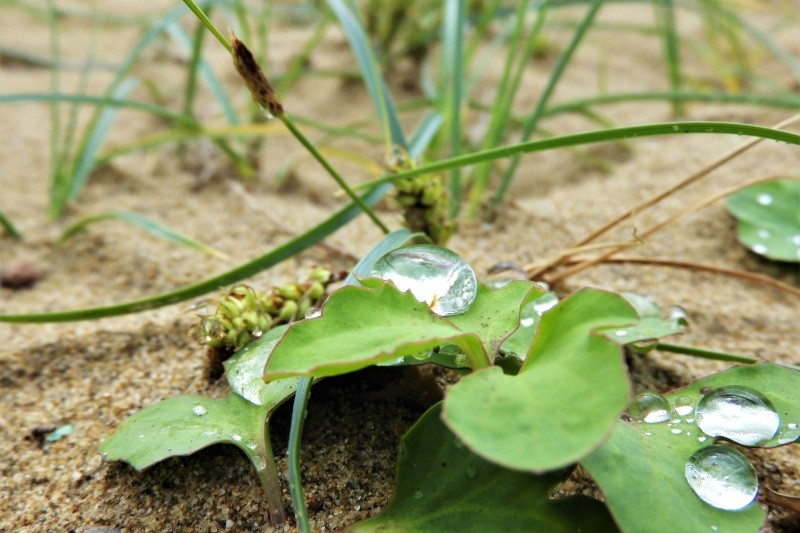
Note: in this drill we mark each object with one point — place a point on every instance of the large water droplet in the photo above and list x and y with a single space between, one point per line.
789 434
199 410
722 477
650 407
434 275
737 413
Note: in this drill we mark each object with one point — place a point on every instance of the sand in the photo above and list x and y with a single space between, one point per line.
94 374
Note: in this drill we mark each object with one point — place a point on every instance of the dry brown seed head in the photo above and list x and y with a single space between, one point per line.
254 77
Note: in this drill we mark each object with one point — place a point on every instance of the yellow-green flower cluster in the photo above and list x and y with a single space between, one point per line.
243 314
424 201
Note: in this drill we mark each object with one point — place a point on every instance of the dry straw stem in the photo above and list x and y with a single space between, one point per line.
536 270
586 263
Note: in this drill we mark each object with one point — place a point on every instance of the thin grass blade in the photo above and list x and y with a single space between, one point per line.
142 222
9 228
370 70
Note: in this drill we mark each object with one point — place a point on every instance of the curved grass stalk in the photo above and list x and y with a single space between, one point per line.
613 134
275 256
705 353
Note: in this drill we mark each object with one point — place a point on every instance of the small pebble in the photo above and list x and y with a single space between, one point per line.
19 275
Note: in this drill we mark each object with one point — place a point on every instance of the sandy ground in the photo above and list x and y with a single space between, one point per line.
94 374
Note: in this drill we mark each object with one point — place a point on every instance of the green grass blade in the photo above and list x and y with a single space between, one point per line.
558 70
150 226
100 102
782 102
204 69
84 159
509 84
665 15
370 70
275 256
426 130
451 80
613 134
9 228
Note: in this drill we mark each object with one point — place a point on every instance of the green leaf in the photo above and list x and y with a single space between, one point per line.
651 326
520 342
245 370
150 226
443 487
362 326
184 425
769 218
649 459
565 399
495 314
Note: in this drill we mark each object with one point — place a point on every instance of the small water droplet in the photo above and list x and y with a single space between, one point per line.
545 302
434 275
259 462
676 312
714 528
313 312
650 407
648 433
676 420
689 420
250 445
688 433
676 431
684 405
643 346
418 495
676 128
795 239
141 436
702 438
621 332
763 234
236 437
199 410
737 413
470 472
764 199
526 322
722 477
788 434
759 249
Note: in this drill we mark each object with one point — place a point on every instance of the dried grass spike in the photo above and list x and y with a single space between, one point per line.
254 77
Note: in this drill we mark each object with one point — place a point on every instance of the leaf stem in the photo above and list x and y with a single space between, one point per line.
704 353
268 476
295 436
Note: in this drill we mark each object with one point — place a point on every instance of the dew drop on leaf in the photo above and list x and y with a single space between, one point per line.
434 275
199 410
650 407
789 434
764 199
236 437
722 477
418 495
684 405
740 414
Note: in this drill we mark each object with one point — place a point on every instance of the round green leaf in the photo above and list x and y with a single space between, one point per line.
648 460
768 216
565 399
443 487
